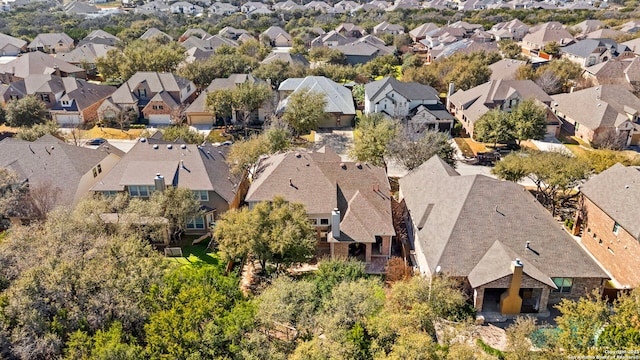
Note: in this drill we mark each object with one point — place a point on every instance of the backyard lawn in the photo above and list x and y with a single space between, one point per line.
196 255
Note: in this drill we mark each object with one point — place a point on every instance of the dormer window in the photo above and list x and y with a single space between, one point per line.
65 102
142 92
44 97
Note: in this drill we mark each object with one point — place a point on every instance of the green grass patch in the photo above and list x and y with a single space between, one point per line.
489 350
218 135
197 255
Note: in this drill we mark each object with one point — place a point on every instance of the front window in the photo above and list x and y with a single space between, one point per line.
142 93
564 285
158 107
201 195
197 223
45 97
324 221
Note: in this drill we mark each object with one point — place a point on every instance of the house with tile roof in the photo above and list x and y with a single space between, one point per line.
11 46
69 100
610 224
198 114
156 97
38 63
349 203
59 173
340 105
149 167
51 43
509 253
605 115
417 105
468 106
590 52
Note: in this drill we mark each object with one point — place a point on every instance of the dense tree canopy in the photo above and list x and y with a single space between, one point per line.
410 151
27 111
371 137
305 110
140 55
528 120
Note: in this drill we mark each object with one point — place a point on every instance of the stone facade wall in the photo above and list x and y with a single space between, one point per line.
581 287
618 253
340 251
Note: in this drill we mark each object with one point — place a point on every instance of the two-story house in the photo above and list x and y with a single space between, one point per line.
38 63
277 36
608 218
590 52
468 106
405 100
349 203
150 166
510 255
602 115
156 97
388 28
539 36
69 100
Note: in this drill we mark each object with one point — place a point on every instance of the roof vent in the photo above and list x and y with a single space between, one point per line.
626 186
143 139
298 155
169 146
155 146
343 165
359 166
183 146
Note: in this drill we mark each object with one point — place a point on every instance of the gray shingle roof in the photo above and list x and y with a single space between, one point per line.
322 182
467 215
37 63
339 98
411 90
200 103
597 107
50 40
205 168
50 161
586 47
87 52
505 69
616 191
10 40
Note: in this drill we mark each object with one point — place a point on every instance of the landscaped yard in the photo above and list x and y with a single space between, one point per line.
469 143
107 133
196 255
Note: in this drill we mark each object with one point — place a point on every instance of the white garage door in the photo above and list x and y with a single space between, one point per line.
159 119
65 119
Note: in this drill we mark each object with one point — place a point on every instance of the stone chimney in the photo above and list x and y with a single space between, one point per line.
510 301
335 223
159 182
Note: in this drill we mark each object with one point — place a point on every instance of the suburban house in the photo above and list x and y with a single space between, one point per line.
511 30
85 55
198 114
387 28
285 57
351 30
11 46
51 43
590 52
417 103
69 100
220 8
330 39
58 174
38 63
349 203
277 36
155 33
510 255
208 43
186 8
468 106
609 222
587 26
615 72
232 33
601 115
541 35
100 37
150 167
421 31
157 97
340 105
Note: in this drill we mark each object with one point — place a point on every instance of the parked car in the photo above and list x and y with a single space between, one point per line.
487 158
96 141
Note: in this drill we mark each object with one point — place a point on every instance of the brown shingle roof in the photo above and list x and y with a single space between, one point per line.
468 214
